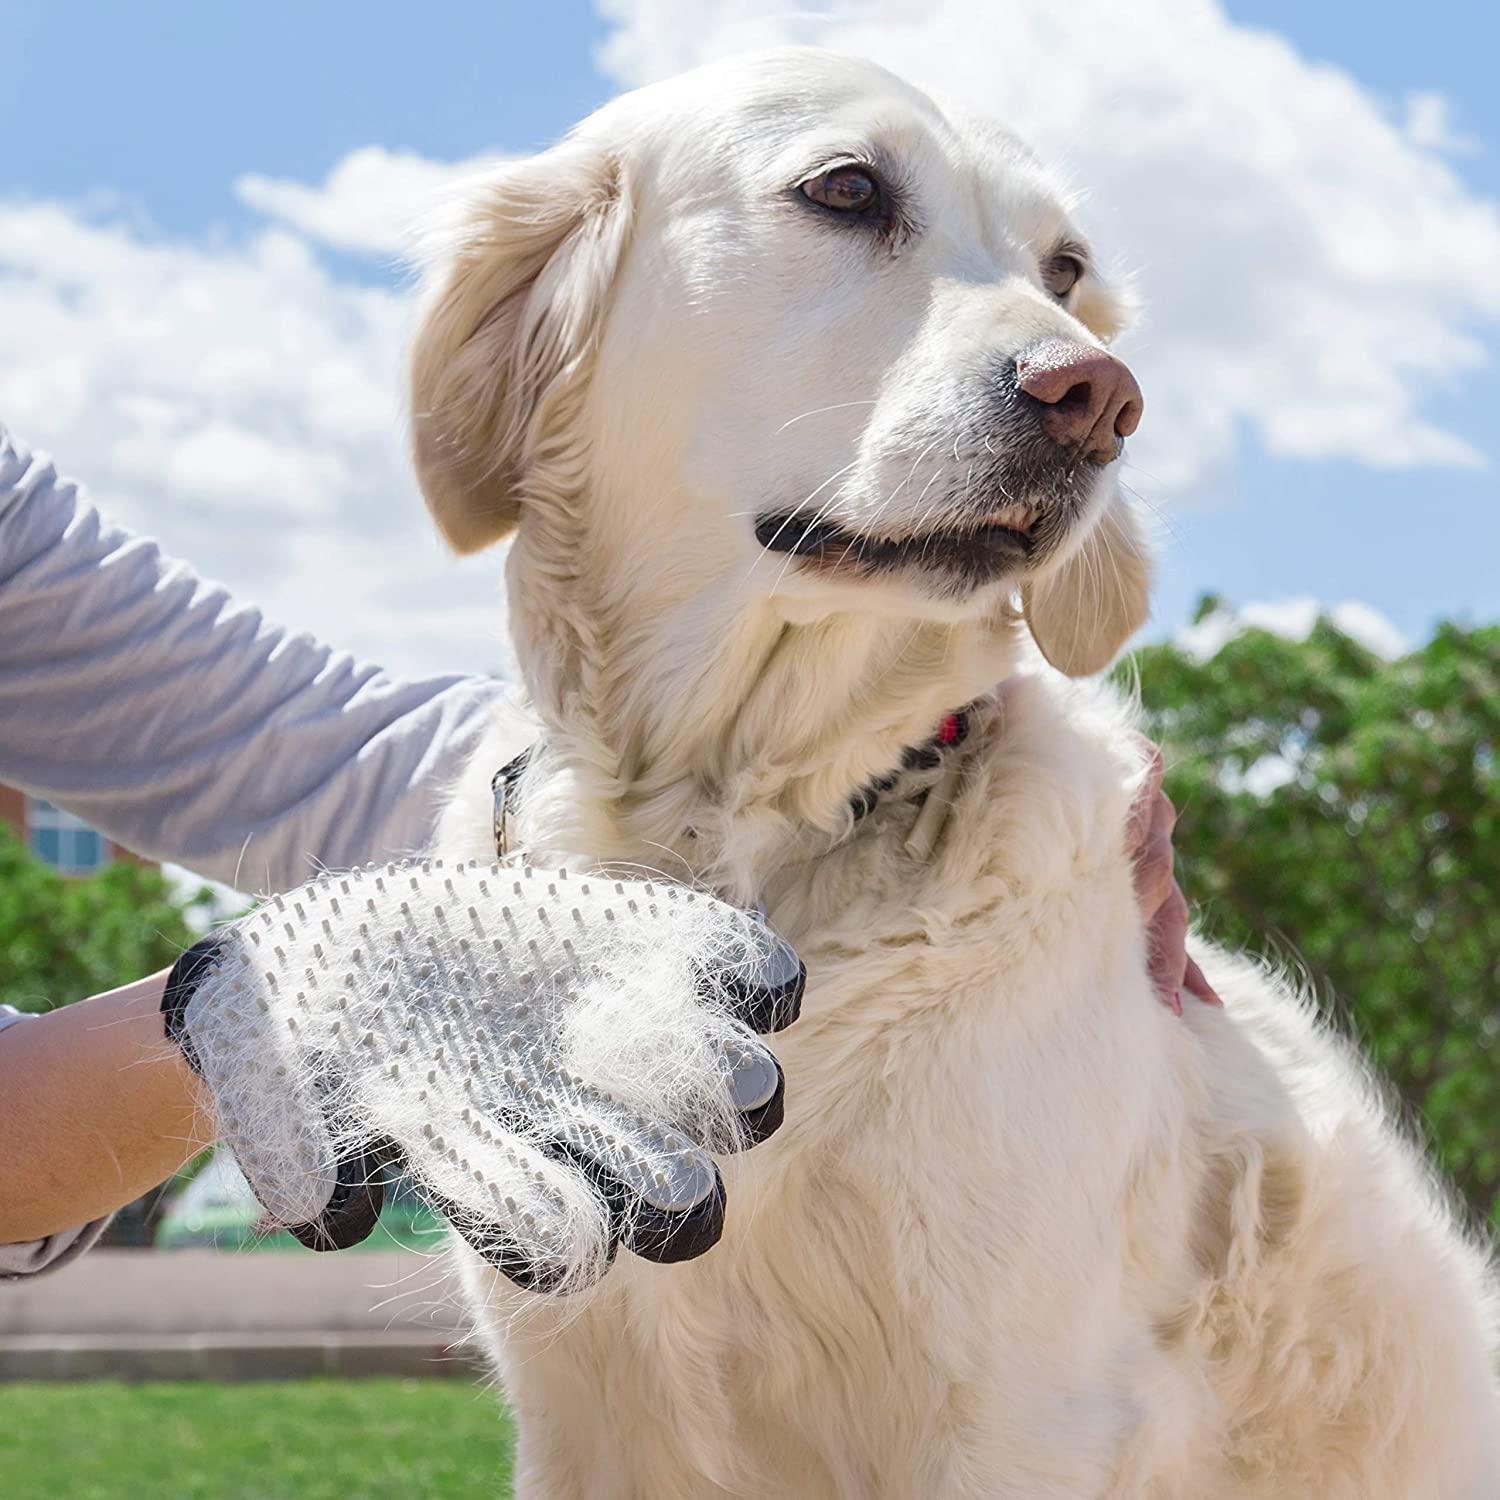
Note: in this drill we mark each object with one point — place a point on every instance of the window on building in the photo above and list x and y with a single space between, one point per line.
63 840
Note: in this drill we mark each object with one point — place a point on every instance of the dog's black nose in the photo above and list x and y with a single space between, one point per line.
1088 399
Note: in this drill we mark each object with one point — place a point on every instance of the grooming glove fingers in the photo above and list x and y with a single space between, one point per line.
760 977
269 1097
551 1057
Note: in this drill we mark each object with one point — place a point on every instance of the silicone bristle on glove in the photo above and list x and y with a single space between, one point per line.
551 1057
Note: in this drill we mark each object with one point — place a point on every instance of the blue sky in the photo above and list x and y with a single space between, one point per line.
128 133
167 102
1423 544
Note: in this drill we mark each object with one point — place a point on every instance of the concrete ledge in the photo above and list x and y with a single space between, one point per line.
218 1315
158 1295
265 1356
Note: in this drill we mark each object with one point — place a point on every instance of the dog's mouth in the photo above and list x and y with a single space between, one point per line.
973 554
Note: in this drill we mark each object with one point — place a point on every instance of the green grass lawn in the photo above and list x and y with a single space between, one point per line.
283 1440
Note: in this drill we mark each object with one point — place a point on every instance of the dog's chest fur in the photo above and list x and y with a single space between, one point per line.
913 1294
1024 1233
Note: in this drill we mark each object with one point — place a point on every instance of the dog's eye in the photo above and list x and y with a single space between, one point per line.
847 190
1062 272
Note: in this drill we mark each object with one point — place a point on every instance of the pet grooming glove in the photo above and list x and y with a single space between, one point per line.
551 1056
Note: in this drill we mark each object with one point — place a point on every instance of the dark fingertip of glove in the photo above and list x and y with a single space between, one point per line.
763 1120
498 1246
183 979
667 1236
352 1209
654 1233
768 997
529 1272
647 1229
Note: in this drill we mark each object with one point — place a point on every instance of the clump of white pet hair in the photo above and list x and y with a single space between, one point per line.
654 1022
516 1036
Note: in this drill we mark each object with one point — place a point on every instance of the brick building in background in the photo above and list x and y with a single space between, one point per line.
57 837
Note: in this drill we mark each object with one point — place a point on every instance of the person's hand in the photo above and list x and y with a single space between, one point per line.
550 1057
1149 838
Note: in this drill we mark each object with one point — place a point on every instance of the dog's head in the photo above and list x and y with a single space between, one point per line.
783 327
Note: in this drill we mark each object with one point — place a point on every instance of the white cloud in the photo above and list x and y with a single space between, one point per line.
1374 631
1311 269
1202 638
242 403
1293 619
1429 123
372 202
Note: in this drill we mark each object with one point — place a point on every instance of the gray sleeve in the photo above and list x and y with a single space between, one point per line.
187 727
56 1250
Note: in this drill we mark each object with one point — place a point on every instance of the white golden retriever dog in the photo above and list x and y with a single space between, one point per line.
795 391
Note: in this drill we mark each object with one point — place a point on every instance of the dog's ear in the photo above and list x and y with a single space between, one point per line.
507 328
1082 613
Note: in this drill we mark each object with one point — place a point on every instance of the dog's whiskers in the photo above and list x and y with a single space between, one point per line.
818 412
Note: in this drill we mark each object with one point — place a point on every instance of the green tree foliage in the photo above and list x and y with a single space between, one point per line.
62 939
1341 813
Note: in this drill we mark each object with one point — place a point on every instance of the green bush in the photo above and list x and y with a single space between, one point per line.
1341 813
62 938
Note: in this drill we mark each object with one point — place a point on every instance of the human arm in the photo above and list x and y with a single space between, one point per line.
97 1111
189 728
